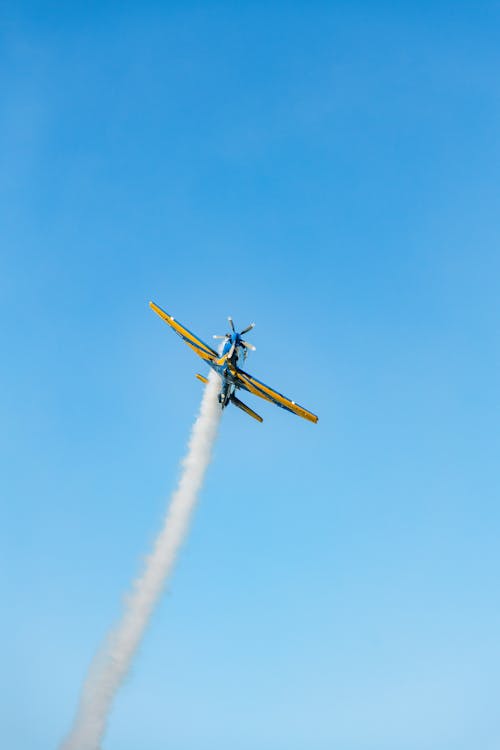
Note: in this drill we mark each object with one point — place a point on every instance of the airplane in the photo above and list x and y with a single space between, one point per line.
227 365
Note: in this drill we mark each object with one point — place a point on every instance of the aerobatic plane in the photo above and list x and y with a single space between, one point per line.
227 365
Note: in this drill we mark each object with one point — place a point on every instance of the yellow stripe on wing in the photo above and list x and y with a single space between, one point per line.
264 391
196 344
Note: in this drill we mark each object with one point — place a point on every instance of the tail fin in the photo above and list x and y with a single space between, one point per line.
245 408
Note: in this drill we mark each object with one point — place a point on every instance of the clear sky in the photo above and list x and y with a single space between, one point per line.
331 171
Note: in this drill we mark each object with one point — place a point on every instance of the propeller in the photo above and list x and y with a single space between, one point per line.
238 341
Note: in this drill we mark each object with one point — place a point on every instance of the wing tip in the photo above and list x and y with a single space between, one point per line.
159 311
308 415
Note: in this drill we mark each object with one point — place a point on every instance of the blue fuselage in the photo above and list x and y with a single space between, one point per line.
239 351
235 360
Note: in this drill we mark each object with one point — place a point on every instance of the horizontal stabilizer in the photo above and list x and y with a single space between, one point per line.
202 378
246 408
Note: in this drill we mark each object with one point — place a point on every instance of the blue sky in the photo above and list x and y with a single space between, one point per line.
329 170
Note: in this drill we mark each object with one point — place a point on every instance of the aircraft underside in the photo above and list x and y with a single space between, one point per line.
228 365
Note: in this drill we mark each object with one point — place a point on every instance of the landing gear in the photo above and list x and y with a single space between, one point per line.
223 399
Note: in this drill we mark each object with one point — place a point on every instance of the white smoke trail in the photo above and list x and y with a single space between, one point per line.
110 667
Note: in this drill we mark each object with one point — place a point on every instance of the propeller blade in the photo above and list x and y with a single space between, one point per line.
231 351
248 328
248 346
231 323
226 336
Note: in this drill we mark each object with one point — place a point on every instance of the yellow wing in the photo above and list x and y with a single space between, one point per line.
252 385
197 345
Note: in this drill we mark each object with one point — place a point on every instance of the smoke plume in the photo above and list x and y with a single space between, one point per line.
111 665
